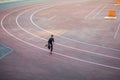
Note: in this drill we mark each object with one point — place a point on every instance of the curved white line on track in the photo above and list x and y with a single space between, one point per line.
54 52
31 18
61 44
58 43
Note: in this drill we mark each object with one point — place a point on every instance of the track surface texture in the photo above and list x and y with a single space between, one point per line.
87 46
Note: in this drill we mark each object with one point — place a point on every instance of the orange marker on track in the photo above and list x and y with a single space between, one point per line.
118 2
111 15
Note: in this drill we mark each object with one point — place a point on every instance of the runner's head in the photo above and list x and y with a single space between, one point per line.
52 35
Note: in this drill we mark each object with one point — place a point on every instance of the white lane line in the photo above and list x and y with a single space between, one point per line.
31 18
55 52
116 32
62 44
23 28
93 11
99 11
58 43
51 18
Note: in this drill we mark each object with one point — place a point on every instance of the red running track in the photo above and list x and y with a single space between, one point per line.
77 55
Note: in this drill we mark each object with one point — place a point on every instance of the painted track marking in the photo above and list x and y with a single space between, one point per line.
99 11
116 32
51 18
86 17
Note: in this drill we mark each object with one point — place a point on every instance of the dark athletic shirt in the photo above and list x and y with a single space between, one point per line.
51 40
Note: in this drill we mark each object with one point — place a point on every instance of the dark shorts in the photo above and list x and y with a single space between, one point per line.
50 46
